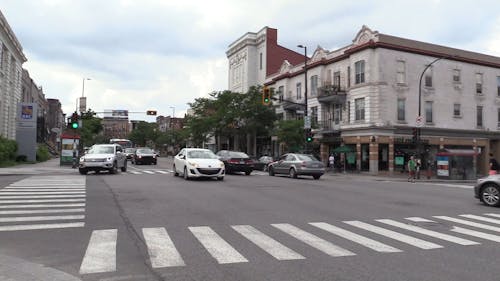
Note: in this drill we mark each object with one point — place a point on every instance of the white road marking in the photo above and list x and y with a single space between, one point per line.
22 212
424 231
42 196
469 223
162 172
41 226
367 242
42 218
148 172
478 234
161 249
266 243
45 187
422 244
101 252
41 206
313 240
10 192
216 246
41 201
493 215
135 172
418 219
54 185
479 218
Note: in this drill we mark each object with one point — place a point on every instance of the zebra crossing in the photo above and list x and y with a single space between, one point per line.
43 202
167 171
101 251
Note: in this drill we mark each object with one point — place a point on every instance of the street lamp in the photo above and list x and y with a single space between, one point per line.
83 101
306 121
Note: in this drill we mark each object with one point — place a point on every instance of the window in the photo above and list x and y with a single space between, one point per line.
337 113
314 85
479 83
359 107
314 116
479 121
281 91
359 69
336 79
456 75
298 91
348 76
348 112
260 60
401 72
428 112
401 109
456 110
498 86
428 77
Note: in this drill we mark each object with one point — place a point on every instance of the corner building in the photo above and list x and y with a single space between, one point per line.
365 96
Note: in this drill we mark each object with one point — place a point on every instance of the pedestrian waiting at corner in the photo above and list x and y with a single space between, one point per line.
412 169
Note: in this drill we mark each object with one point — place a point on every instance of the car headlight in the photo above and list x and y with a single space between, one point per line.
82 160
194 164
222 164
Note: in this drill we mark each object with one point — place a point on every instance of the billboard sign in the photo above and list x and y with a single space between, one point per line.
116 114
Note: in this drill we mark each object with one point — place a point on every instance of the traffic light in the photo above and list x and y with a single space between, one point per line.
266 96
309 135
74 121
151 112
414 134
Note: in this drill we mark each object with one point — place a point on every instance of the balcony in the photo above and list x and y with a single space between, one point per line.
332 94
292 106
328 126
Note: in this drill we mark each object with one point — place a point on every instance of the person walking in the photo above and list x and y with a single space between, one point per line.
493 165
412 167
331 162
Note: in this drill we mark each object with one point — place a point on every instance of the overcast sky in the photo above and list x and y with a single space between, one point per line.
162 54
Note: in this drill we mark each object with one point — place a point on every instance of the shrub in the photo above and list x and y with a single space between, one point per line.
8 149
42 153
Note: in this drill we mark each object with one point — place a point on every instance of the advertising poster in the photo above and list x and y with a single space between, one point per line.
443 168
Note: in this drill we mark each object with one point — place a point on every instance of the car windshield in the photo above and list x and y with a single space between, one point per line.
129 150
235 154
101 150
306 158
266 158
201 154
144 150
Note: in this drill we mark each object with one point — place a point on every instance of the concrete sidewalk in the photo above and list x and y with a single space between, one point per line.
50 166
16 269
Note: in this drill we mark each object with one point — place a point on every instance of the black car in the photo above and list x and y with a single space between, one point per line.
236 161
129 152
262 162
144 155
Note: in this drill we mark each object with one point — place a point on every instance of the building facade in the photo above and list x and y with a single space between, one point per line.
32 93
11 60
365 96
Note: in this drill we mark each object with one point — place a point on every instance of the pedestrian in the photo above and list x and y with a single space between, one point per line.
412 167
331 162
493 165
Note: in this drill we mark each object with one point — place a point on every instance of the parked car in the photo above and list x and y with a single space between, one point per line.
198 163
262 162
129 153
144 155
236 161
295 164
99 157
487 190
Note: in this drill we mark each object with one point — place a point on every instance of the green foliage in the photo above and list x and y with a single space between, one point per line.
8 149
42 153
90 132
144 133
291 132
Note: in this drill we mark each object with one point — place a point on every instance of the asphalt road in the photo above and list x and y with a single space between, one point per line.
147 224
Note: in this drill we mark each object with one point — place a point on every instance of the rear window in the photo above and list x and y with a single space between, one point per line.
235 154
307 158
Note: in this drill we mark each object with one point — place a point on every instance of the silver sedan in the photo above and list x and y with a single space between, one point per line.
295 164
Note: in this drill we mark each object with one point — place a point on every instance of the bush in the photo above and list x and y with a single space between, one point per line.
42 153
8 149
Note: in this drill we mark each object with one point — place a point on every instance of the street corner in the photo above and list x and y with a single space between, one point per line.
14 268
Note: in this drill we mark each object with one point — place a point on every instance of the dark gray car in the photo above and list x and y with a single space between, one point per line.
295 164
487 190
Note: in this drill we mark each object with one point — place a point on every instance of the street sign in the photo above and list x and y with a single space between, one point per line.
307 122
419 121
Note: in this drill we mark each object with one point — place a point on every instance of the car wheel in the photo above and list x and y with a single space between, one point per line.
292 173
124 168
316 177
83 171
490 195
271 171
248 173
114 169
175 172
220 178
186 176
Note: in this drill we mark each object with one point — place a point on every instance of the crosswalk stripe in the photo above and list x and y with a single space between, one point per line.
161 249
135 172
44 187
313 240
39 192
41 201
41 226
162 172
216 246
422 244
55 185
22 212
418 219
475 233
100 255
266 243
469 223
42 218
480 218
424 231
18 206
148 172
42 196
493 215
365 241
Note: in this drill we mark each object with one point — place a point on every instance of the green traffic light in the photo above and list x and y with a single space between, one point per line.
74 125
266 100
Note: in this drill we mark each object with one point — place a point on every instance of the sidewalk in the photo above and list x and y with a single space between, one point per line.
52 165
16 269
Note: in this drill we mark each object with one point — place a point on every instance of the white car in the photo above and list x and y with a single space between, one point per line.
198 163
109 157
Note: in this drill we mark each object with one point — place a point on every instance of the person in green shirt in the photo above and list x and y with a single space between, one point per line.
412 167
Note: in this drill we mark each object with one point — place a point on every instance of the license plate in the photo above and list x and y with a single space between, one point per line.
242 162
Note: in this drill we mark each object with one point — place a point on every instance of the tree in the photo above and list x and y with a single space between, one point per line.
145 134
90 132
291 132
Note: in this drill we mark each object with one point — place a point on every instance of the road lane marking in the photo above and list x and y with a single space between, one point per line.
42 218
100 255
162 172
42 196
26 190
418 219
41 201
161 249
44 187
38 192
54 185
365 241
432 233
266 243
41 226
493 215
41 206
135 172
469 223
148 172
419 243
22 212
313 240
480 218
216 246
478 234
